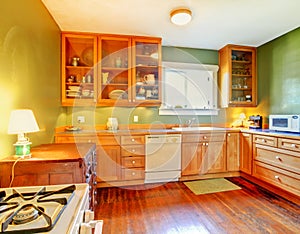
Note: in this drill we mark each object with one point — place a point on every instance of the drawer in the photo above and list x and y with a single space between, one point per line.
289 144
132 140
133 174
265 140
131 162
109 140
131 150
279 159
203 137
77 139
285 180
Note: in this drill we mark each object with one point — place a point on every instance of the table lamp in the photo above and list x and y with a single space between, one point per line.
21 122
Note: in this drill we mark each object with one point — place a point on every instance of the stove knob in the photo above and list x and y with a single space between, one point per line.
85 228
88 216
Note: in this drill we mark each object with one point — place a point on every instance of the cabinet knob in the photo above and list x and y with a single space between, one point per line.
278 158
276 177
133 162
293 145
263 140
204 137
133 150
89 141
228 134
133 173
132 140
95 183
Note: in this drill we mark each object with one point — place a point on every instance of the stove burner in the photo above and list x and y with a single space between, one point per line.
25 209
25 215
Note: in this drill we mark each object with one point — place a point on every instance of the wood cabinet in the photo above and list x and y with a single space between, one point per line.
246 153
133 157
277 164
237 76
52 164
78 70
233 151
109 166
203 153
110 70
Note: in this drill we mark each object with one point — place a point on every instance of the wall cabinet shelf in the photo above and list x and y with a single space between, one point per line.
238 76
113 65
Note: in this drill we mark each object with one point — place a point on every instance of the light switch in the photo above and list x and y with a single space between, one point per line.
80 119
135 119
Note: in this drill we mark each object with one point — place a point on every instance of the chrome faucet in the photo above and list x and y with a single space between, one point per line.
190 122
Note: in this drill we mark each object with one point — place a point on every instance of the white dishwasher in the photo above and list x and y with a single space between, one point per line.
163 158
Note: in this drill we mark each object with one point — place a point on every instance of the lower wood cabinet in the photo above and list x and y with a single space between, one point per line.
233 151
52 164
133 157
203 153
277 164
246 153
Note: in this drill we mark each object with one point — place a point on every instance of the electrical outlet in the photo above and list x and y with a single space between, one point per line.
135 119
80 119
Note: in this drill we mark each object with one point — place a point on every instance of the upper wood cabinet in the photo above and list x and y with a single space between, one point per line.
78 70
110 70
237 76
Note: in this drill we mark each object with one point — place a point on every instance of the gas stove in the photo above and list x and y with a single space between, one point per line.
47 209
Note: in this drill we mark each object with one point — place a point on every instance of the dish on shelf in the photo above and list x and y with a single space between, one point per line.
116 94
72 128
87 56
73 88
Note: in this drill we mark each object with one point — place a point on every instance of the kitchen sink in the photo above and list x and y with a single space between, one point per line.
182 129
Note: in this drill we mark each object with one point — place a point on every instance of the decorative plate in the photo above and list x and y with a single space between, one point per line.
87 56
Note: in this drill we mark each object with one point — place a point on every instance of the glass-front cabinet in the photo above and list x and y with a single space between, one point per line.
79 56
110 70
146 69
114 76
238 76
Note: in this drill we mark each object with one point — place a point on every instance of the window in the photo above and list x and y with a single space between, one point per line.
189 89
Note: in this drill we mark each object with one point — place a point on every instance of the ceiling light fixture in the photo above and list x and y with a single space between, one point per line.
181 16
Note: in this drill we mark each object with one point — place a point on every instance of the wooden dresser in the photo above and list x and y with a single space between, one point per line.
52 164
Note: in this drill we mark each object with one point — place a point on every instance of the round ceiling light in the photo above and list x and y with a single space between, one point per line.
181 16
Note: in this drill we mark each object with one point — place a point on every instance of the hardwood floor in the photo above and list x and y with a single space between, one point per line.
173 208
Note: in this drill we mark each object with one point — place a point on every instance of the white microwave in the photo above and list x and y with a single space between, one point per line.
287 123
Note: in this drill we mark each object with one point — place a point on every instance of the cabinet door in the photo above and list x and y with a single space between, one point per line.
191 159
109 165
115 70
232 147
246 153
146 69
79 56
214 157
238 76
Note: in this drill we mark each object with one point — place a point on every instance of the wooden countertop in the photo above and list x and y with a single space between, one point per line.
57 152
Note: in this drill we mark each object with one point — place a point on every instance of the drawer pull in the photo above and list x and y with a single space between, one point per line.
132 140
133 162
133 150
263 140
293 145
204 137
133 173
89 141
276 177
228 134
278 158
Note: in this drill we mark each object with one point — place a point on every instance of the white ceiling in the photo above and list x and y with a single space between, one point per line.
215 23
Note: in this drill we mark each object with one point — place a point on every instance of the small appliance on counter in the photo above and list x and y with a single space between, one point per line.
255 122
286 123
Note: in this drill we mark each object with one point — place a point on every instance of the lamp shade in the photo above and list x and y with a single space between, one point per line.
22 121
181 16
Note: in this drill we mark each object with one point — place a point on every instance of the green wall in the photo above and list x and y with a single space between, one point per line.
29 68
